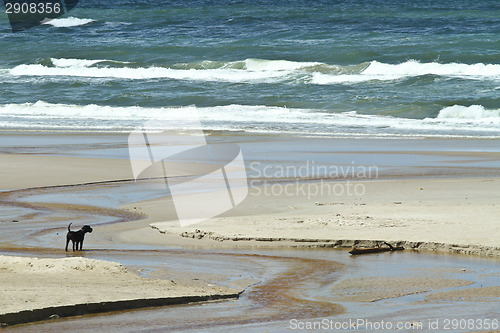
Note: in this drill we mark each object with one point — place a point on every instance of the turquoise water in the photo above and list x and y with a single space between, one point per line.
309 67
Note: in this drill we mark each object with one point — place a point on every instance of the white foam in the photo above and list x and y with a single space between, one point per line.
80 68
455 121
68 22
476 112
66 63
276 65
324 79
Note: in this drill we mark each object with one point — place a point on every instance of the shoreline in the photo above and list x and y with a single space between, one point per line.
444 248
64 311
247 133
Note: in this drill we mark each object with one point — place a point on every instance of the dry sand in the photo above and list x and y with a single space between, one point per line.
452 215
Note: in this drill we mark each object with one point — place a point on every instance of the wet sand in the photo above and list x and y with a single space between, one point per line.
447 214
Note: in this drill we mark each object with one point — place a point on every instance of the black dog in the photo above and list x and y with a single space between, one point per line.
77 236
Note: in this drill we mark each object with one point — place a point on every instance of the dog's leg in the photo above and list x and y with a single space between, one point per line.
74 245
67 242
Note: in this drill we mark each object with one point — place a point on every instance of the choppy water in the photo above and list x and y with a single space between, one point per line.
373 67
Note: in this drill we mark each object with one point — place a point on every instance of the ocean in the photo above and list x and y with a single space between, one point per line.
328 68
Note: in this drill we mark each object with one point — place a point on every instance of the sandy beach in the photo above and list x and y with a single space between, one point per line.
431 213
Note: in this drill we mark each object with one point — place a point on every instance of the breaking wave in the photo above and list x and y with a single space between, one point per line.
456 120
258 71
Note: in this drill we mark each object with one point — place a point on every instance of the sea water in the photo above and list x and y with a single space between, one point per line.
340 67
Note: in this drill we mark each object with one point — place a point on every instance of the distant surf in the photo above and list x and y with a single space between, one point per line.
381 71
260 71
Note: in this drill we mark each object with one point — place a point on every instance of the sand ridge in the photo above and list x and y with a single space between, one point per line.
451 215
36 284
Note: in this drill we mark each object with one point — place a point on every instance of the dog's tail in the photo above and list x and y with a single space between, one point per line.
69 225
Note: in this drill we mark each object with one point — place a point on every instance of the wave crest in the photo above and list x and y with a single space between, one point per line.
478 112
384 72
258 71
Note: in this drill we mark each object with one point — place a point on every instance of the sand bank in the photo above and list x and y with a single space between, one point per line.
484 294
451 215
38 289
372 289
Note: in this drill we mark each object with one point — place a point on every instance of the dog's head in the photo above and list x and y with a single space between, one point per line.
86 228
